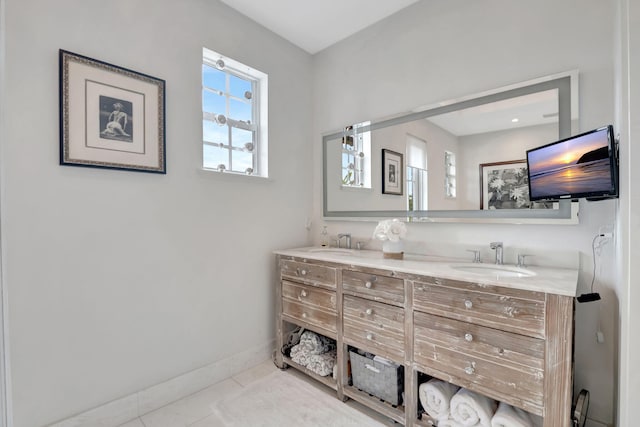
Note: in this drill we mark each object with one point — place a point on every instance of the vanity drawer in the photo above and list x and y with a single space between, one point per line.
508 367
507 309
309 295
305 313
373 286
513 350
374 326
314 274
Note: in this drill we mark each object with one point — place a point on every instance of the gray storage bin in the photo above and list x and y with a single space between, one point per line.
379 379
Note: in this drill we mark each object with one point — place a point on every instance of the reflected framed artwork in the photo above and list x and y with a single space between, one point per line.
392 173
505 185
110 117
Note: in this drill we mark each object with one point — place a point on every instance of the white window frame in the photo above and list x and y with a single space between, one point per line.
450 174
360 151
417 181
259 120
417 173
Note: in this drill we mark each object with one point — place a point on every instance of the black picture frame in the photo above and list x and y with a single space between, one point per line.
392 173
110 117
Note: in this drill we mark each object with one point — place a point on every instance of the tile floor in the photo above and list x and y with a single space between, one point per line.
196 410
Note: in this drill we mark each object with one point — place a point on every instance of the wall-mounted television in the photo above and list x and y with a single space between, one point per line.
584 165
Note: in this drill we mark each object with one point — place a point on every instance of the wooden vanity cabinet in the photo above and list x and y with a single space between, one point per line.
509 344
306 296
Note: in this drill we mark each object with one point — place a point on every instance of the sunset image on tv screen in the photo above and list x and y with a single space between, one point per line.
578 165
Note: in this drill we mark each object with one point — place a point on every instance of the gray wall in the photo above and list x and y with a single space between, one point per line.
119 280
436 51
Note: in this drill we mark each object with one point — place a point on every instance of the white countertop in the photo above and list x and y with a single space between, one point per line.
560 281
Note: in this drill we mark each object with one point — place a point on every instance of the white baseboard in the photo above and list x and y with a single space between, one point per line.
594 423
127 408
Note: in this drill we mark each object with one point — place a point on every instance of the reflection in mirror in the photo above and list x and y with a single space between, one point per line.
461 159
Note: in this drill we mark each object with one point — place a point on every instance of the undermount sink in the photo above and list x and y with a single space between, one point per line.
327 250
494 270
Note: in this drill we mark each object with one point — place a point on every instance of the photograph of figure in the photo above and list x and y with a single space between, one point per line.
115 119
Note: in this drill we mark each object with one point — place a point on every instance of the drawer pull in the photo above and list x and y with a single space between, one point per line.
368 285
303 293
304 315
370 337
303 272
369 311
469 370
468 303
468 337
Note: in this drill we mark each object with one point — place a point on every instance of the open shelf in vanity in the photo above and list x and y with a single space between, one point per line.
510 343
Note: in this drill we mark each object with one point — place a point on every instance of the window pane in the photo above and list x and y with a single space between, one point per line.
346 159
214 156
213 78
241 137
213 132
242 161
239 110
239 86
213 103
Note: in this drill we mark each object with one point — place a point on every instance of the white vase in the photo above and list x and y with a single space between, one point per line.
393 250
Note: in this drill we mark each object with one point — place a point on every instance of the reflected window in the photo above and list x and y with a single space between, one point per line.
417 176
450 174
234 116
356 156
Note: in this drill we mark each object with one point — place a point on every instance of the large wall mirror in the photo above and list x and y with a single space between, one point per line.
460 160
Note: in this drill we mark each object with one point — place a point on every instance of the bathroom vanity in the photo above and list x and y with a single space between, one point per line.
502 331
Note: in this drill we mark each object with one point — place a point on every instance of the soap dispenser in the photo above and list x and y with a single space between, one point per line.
324 236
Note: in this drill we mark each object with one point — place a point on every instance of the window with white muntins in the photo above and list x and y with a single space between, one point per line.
234 116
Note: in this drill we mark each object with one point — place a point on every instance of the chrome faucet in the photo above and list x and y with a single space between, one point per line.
347 240
498 248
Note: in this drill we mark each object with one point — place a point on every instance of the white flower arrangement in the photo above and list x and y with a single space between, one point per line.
391 229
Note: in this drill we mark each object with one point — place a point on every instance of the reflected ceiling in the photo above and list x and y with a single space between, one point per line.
529 110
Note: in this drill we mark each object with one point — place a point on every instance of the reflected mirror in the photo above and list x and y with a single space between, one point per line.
462 159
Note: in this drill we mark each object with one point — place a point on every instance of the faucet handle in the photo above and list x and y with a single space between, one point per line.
476 255
521 258
494 245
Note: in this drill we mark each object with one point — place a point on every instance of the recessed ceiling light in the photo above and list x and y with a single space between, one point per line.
516 120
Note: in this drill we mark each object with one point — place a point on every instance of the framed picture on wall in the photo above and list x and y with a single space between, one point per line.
392 173
110 117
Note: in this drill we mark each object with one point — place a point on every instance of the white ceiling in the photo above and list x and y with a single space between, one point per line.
315 25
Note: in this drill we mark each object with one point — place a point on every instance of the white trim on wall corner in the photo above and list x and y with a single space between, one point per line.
129 407
5 380
593 423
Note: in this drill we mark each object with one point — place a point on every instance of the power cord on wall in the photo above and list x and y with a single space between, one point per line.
593 296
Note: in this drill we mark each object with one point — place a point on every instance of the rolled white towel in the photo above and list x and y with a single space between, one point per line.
435 396
448 422
472 409
508 416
